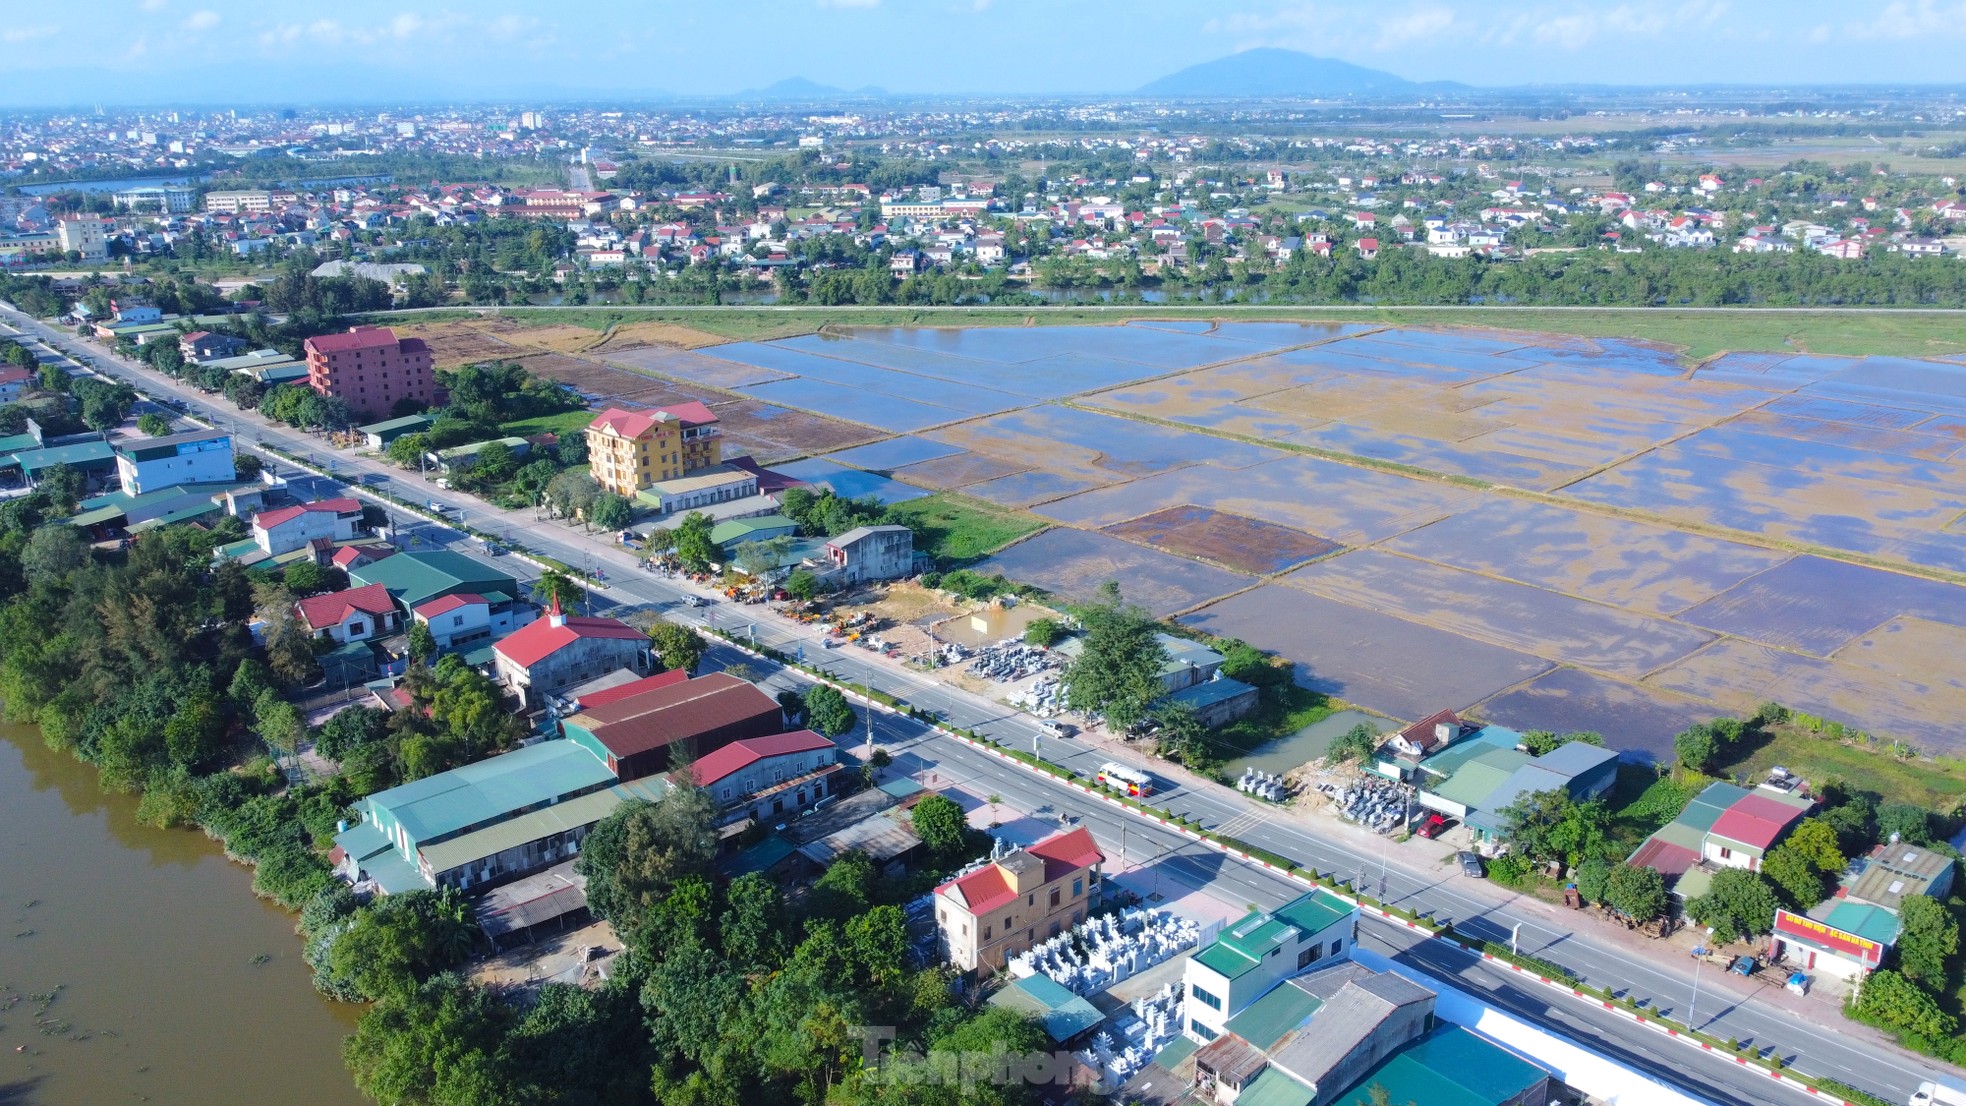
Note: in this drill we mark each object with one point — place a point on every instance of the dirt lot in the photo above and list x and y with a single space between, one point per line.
560 958
1240 543
633 335
559 339
464 343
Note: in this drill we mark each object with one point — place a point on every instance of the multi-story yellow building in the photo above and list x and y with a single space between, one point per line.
1018 900
630 450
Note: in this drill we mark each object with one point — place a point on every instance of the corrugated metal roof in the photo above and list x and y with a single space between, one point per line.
1451 1067
1274 1016
582 810
443 804
1063 1014
1273 1088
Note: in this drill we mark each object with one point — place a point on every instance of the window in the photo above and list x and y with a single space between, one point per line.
1310 956
1078 887
1201 1030
986 933
1007 921
1337 945
1031 899
1054 898
1726 853
457 620
1203 997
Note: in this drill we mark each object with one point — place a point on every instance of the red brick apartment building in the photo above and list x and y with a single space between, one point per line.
371 370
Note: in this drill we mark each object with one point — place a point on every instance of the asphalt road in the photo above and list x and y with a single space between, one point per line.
1476 909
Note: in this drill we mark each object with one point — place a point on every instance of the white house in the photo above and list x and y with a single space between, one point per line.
1249 957
455 621
196 457
356 614
290 528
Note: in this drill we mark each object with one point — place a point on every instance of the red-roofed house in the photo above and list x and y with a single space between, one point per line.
356 614
560 650
1016 901
629 450
759 777
289 528
455 621
13 381
371 370
1747 830
355 556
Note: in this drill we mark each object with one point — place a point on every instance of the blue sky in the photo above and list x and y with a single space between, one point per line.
125 51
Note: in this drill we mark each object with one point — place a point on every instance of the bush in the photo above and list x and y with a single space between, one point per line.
1509 870
291 875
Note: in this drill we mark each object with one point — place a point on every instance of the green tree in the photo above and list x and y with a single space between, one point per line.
802 585
54 551
1794 875
402 940
693 545
1910 822
1043 632
827 711
1182 734
1738 904
1118 672
494 463
1695 748
1550 825
554 584
1816 840
408 450
1543 742
941 825
678 646
1593 877
751 929
1886 998
1356 743
1927 941
637 853
846 889
611 512
351 729
153 424
1637 893
435 1045
422 644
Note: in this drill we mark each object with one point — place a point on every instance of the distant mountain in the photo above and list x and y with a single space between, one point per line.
799 88
1271 72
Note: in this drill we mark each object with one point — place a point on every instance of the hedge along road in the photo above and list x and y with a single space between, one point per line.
1481 911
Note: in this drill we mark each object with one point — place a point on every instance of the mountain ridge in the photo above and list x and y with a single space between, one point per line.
1274 72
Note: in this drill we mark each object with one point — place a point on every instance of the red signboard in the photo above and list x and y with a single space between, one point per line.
1829 937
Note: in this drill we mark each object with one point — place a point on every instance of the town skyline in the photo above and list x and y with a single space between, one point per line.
198 51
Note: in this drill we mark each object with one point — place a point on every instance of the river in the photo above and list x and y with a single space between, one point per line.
151 938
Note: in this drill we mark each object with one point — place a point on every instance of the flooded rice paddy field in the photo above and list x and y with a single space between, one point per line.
1559 532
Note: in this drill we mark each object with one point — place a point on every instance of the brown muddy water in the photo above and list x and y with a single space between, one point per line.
152 943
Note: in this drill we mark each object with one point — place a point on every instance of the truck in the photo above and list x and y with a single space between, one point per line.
1946 1090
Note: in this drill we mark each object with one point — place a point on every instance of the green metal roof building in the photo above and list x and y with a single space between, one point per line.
1063 1014
414 579
86 457
737 531
487 822
1453 1067
1236 970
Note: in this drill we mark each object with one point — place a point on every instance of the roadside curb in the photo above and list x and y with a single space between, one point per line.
1656 1024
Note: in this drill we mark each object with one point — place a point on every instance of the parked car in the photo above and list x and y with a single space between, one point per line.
1470 864
1057 729
1431 828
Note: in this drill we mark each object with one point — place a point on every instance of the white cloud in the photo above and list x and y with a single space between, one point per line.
1418 25
137 49
154 5
203 20
14 36
1319 29
1915 20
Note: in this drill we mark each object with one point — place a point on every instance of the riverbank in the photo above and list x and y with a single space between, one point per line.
172 982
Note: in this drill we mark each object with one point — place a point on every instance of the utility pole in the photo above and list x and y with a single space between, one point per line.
1693 1008
866 689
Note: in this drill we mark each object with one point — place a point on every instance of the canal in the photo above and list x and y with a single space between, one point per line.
171 982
